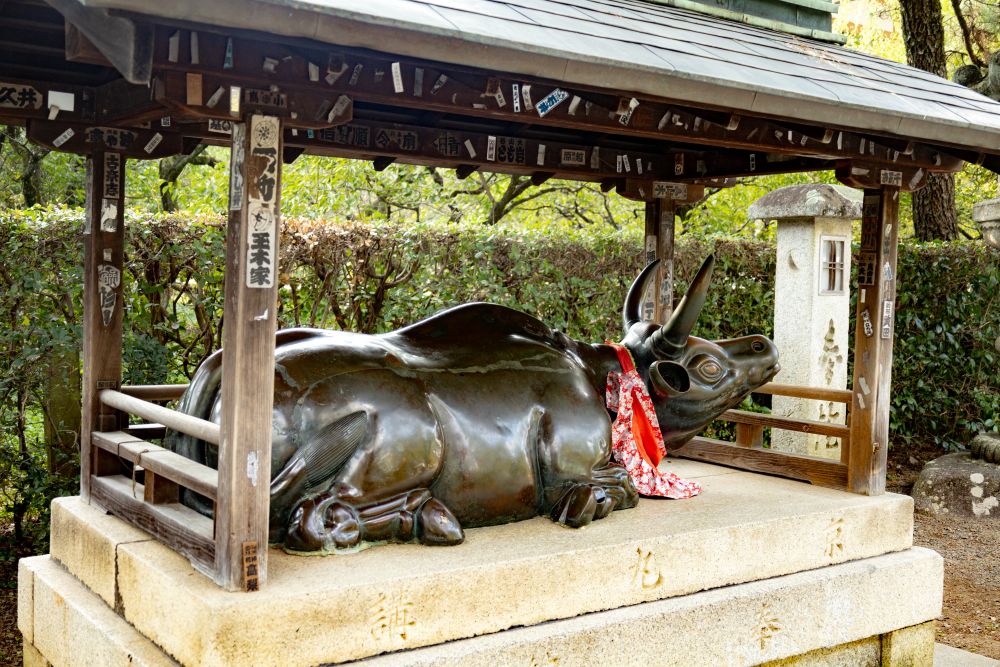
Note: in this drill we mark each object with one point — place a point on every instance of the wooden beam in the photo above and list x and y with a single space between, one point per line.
248 354
874 328
137 143
79 49
126 44
651 226
122 103
815 393
640 168
103 307
449 89
199 428
26 99
796 466
225 98
155 392
179 527
163 462
665 253
749 435
787 423
868 175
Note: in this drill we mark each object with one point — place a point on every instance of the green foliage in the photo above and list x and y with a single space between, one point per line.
39 312
31 174
945 381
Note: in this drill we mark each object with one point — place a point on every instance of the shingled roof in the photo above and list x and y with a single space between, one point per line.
643 46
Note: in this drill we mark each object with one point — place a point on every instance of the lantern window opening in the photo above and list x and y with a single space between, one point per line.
831 273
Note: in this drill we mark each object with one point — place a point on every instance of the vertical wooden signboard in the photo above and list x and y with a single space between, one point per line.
103 241
248 354
873 341
658 302
665 253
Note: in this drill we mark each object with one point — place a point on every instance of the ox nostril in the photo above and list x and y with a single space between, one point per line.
670 377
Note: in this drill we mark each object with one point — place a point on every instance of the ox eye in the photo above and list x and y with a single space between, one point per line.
757 346
710 369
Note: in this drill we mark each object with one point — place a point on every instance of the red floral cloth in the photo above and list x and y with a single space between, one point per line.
636 440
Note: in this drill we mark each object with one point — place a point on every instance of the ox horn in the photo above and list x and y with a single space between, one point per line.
632 310
670 340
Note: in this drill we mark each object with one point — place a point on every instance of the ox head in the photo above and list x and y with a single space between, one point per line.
692 380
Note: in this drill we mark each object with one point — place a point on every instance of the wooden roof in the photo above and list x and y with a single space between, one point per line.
633 88
633 45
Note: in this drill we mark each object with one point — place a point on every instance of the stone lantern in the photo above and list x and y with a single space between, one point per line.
812 303
986 214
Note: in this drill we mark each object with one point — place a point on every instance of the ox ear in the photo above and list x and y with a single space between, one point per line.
669 378
669 341
632 310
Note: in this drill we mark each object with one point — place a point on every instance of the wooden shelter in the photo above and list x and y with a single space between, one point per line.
650 98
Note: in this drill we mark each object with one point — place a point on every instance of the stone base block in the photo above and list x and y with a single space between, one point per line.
745 527
949 656
748 624
821 617
71 626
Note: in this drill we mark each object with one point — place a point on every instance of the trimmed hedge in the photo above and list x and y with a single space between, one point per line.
375 278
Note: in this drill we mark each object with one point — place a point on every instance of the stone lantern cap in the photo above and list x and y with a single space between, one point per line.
809 200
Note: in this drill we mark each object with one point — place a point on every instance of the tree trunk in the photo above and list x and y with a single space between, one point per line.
923 34
170 171
934 209
31 188
62 411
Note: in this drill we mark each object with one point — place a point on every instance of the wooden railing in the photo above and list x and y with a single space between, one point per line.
145 487
747 452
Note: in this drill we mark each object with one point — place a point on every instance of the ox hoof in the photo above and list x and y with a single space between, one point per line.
580 505
437 526
321 524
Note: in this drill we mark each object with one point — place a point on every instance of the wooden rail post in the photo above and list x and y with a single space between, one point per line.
873 341
243 502
103 307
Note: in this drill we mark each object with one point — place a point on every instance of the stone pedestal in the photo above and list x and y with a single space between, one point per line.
960 485
812 303
757 569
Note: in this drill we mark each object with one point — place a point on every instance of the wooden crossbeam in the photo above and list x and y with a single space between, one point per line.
757 459
448 89
505 153
162 462
30 99
179 527
788 423
83 139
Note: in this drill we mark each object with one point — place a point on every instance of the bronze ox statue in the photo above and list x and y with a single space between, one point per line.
477 415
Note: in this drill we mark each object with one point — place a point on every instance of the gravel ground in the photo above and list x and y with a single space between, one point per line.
971 551
10 638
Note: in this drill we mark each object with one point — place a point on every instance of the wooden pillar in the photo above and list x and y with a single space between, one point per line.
241 515
103 307
873 341
658 305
